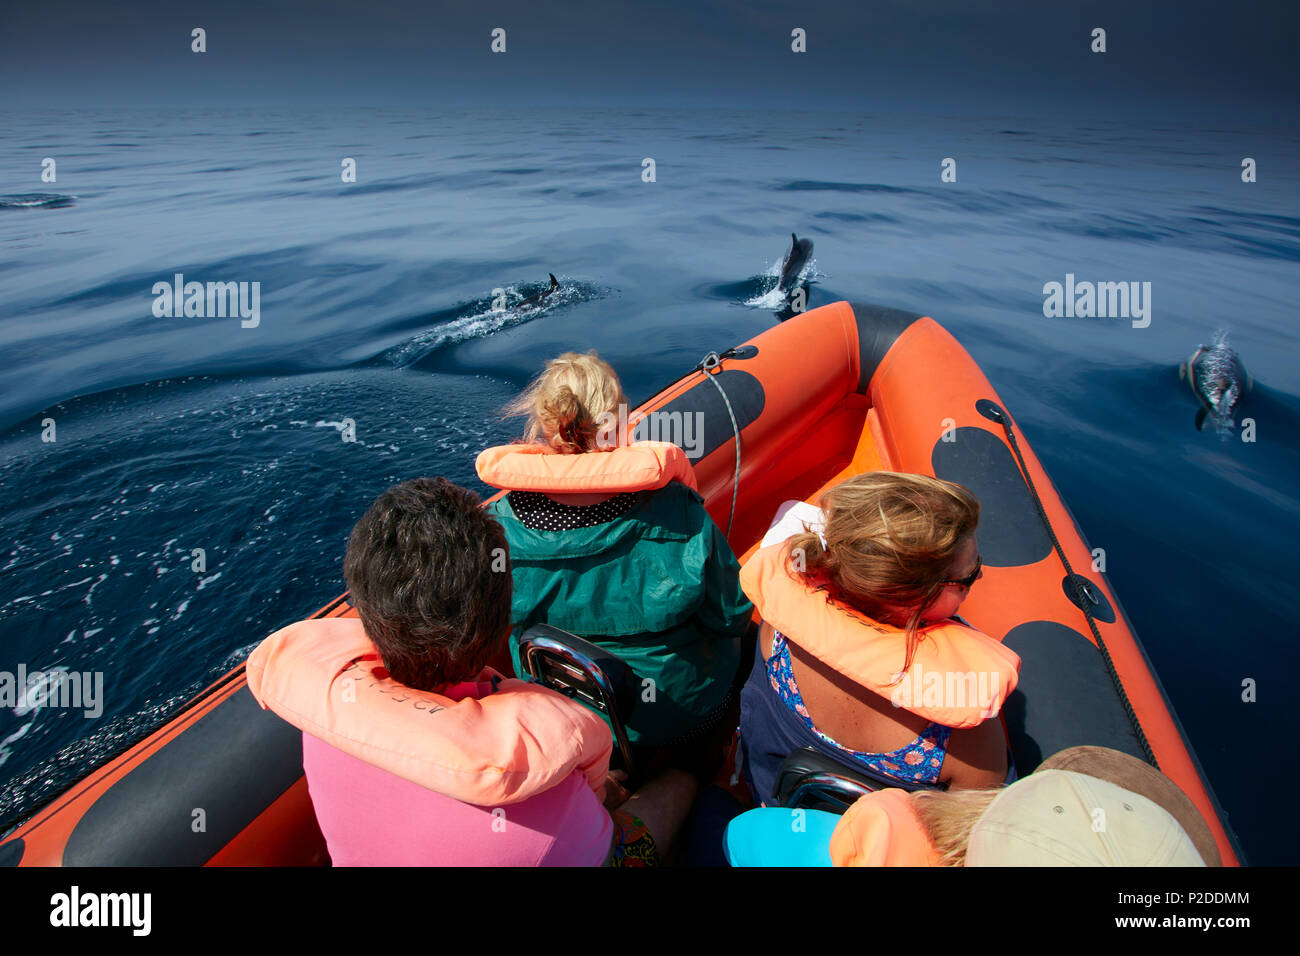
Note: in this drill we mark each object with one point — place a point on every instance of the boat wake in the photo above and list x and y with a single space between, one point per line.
189 490
31 787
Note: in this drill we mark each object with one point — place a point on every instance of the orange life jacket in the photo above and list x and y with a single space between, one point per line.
326 678
641 466
882 829
959 676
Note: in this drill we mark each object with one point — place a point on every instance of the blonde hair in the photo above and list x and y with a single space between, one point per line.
949 817
569 403
890 542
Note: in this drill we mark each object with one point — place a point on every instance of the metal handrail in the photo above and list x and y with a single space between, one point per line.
533 650
829 787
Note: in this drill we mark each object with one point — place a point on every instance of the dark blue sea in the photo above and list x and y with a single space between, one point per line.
377 314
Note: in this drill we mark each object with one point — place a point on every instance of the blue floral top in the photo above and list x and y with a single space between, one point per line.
918 762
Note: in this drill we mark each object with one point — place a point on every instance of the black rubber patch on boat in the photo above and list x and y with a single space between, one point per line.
744 391
1011 533
11 852
232 764
991 410
1064 699
878 329
1093 599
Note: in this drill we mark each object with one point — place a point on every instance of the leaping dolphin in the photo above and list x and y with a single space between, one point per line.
535 301
1218 378
798 256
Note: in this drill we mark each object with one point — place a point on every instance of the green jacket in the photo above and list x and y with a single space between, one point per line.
659 586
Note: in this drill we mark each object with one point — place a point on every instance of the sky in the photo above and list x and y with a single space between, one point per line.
1164 58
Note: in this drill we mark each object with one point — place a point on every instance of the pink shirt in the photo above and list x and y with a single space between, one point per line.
371 817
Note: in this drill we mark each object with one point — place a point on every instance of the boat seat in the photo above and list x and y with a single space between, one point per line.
585 672
814 781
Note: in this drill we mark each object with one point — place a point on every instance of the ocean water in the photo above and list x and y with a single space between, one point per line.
199 489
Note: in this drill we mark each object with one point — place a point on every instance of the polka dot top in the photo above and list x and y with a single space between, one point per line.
539 513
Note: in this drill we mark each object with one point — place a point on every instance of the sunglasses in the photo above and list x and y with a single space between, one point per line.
971 578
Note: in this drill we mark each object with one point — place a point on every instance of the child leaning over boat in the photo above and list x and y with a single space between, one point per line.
856 613
610 541
418 753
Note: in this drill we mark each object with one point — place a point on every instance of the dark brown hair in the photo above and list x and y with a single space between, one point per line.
429 572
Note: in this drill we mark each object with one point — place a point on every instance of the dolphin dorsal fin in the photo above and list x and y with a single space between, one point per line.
794 238
554 281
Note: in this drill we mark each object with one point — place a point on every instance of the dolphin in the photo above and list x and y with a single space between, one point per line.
538 300
1218 378
798 256
36 201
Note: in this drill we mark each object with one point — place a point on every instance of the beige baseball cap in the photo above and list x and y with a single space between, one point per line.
1066 818
1140 777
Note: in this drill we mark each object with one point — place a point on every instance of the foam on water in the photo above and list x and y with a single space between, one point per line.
36 201
773 298
480 322
270 510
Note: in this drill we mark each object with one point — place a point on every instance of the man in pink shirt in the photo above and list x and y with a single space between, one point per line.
416 752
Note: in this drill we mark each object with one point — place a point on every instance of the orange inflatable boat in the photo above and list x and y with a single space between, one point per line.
836 391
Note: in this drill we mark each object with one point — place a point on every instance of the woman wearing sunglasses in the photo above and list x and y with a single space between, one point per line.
861 654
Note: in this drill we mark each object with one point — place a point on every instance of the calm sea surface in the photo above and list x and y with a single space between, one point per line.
376 312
